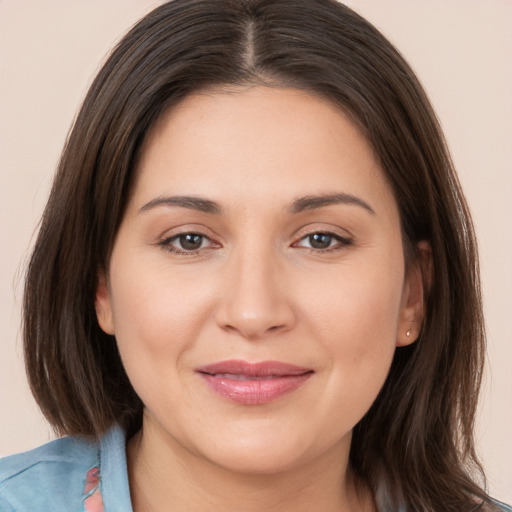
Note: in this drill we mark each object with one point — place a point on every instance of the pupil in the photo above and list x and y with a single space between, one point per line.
320 240
190 241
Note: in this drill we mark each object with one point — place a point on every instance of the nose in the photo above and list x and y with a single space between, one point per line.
255 301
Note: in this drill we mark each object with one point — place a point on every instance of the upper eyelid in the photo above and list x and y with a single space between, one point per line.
343 240
208 233
303 232
171 238
168 240
167 244
185 230
331 230
325 232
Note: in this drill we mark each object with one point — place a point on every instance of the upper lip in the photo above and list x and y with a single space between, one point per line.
260 369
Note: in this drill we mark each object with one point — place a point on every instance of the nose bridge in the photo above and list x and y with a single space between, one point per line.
255 302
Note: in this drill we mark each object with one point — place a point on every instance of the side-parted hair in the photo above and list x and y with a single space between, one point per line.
415 447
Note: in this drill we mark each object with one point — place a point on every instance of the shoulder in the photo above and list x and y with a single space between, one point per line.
502 506
52 477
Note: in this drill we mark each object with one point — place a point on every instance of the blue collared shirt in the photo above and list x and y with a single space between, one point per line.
72 474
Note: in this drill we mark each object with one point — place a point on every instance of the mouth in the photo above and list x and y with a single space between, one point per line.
253 383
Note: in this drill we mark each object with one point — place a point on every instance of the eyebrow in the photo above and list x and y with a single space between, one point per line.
299 205
190 202
312 202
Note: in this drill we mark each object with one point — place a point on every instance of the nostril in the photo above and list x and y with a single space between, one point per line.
254 311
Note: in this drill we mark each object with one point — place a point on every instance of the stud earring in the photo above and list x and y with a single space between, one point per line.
408 333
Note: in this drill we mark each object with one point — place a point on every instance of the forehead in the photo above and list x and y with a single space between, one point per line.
258 144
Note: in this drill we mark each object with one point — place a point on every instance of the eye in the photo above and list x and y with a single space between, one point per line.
323 241
186 243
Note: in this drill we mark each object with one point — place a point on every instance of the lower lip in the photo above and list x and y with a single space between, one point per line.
253 391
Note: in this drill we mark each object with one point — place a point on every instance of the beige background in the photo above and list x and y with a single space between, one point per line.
461 50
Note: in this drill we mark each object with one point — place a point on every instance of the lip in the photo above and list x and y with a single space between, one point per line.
253 383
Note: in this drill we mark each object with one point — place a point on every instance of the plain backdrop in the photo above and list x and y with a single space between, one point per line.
462 52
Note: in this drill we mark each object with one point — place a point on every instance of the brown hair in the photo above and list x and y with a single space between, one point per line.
414 448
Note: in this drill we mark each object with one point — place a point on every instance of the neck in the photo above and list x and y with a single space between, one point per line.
162 472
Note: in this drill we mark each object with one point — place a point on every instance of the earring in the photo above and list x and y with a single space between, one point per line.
408 333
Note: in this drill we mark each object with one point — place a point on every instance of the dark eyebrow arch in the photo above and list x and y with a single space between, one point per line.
190 202
312 202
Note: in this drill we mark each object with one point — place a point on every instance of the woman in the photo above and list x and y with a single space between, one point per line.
255 282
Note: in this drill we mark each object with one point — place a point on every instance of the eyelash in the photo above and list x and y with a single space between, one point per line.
342 243
167 243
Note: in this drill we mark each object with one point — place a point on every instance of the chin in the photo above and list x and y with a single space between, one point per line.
262 459
266 452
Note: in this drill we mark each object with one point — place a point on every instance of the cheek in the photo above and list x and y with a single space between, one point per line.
355 319
157 315
360 306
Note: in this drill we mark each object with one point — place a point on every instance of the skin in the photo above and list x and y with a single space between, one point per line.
256 290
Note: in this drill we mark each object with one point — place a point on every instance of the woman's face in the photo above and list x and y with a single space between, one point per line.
257 288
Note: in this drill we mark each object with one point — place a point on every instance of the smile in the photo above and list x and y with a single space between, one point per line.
253 383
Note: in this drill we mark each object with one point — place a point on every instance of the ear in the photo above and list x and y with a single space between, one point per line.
412 308
103 304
